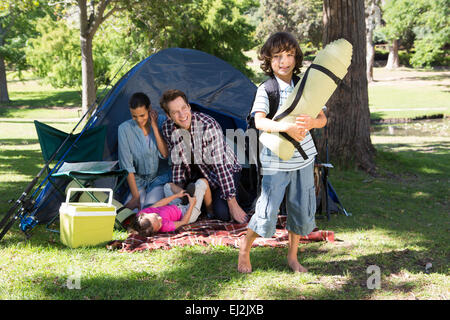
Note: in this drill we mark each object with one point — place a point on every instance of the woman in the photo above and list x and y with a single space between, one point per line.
141 146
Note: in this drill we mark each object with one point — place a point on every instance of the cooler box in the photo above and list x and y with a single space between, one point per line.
86 223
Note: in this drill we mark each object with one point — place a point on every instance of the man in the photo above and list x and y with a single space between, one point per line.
198 149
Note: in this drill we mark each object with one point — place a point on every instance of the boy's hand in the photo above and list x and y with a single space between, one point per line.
298 134
304 122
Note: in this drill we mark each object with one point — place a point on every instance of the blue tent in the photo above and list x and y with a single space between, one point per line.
212 86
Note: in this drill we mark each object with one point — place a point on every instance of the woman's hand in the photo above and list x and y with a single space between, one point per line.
134 203
153 118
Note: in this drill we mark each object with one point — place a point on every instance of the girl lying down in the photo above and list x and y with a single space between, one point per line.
169 213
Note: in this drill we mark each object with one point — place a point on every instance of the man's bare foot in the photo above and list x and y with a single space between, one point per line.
236 211
296 266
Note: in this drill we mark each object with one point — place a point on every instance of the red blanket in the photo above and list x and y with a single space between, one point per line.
213 232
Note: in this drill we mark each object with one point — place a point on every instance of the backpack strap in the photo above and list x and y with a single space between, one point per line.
302 86
273 93
269 86
297 99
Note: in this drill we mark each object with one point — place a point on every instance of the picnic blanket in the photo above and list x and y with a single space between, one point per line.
213 232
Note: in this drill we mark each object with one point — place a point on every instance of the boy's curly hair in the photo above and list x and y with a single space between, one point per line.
139 226
279 42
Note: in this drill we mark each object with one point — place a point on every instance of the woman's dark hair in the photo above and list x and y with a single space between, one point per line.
139 99
139 226
279 42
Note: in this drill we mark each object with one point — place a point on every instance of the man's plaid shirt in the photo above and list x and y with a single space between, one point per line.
214 157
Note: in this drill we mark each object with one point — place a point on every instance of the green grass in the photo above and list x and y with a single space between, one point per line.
387 102
31 98
399 222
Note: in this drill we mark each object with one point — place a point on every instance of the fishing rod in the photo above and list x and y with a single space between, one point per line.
25 203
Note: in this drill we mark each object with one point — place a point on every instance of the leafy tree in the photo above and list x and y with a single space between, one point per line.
301 18
432 32
428 20
218 27
17 24
55 53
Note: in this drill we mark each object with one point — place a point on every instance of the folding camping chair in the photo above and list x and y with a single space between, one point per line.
82 163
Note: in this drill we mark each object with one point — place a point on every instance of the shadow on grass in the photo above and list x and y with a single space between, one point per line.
199 275
43 99
348 279
17 142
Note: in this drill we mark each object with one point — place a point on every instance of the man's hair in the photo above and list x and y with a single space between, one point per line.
139 226
279 42
139 99
169 96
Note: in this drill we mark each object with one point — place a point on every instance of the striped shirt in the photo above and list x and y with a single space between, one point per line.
210 152
269 160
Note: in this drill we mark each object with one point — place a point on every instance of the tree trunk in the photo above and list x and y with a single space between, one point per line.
393 60
348 108
87 74
4 97
370 56
371 18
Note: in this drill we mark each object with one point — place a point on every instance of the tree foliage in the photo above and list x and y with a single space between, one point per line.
301 18
218 27
56 54
428 20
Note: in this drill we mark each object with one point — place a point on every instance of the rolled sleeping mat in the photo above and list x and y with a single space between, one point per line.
319 82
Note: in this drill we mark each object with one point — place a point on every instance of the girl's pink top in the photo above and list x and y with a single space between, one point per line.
169 214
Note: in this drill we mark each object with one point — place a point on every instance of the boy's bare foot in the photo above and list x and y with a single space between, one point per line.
244 265
296 266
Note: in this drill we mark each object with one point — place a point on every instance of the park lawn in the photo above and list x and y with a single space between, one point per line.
399 223
409 93
386 102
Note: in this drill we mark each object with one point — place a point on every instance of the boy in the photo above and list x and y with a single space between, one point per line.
282 58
